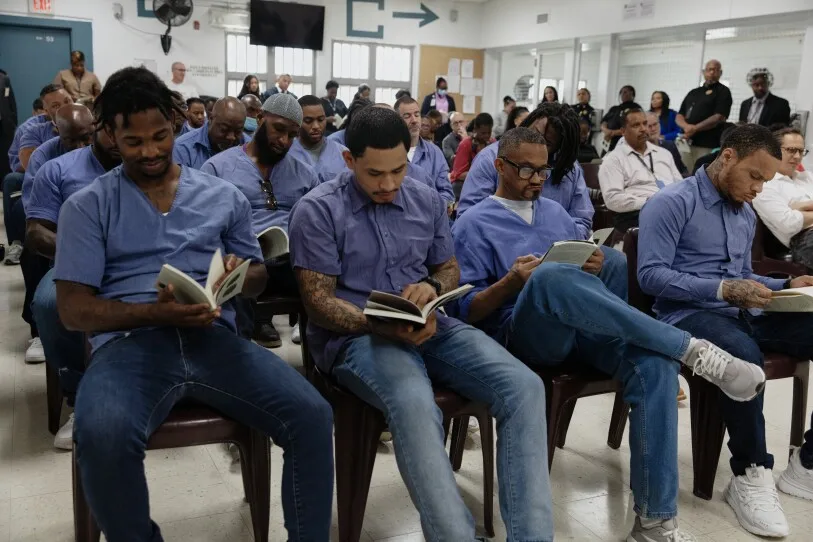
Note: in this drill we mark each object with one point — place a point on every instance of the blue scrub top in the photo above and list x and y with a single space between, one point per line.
49 150
112 238
331 162
193 148
290 178
338 137
429 157
14 149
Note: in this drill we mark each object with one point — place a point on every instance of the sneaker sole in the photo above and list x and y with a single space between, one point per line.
759 388
66 444
34 361
747 526
9 262
791 488
269 344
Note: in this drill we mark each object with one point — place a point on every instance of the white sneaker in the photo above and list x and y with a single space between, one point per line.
796 480
13 253
474 426
64 437
660 531
755 502
296 338
740 380
35 353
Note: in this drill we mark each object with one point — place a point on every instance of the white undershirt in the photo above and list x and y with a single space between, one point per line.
411 153
524 209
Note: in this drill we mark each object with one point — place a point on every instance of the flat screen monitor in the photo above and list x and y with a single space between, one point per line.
286 24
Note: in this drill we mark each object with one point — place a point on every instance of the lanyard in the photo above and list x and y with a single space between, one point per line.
651 166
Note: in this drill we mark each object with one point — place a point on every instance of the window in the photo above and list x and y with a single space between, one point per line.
558 84
242 59
385 68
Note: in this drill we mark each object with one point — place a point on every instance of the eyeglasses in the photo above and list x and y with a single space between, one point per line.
526 173
793 150
270 199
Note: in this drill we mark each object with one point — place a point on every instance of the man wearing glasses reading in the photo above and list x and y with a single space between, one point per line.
273 181
544 314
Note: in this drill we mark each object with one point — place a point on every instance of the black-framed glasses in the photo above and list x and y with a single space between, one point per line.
526 173
793 150
270 199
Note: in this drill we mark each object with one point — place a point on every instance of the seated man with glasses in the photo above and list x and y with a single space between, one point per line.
273 181
547 313
786 203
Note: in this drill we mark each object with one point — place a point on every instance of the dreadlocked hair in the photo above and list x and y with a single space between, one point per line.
566 123
132 90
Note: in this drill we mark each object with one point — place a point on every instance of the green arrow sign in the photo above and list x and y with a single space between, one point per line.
426 15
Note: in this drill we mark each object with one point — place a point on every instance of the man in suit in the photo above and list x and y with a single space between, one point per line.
764 108
8 120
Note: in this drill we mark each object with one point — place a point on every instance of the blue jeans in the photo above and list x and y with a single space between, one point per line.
397 379
134 381
746 337
64 350
15 231
566 315
614 272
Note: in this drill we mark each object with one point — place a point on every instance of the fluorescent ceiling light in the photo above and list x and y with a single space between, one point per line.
721 33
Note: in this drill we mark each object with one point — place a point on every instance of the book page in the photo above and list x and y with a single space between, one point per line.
445 298
233 284
185 289
599 236
216 270
273 243
395 302
575 252
790 303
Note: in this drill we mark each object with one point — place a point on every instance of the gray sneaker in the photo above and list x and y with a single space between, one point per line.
665 531
13 253
740 380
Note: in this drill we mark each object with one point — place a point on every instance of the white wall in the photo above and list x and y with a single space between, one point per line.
514 64
588 68
116 45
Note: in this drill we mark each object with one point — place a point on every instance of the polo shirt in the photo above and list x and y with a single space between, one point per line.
703 102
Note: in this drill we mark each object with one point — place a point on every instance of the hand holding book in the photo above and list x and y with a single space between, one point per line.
169 312
404 332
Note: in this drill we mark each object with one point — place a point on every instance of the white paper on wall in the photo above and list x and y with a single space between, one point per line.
469 105
454 67
467 68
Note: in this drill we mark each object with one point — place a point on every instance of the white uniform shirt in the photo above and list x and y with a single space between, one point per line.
187 90
628 179
773 204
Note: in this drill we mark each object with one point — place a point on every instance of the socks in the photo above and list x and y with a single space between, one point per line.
693 345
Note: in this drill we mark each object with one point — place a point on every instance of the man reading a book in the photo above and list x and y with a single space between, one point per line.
549 314
273 180
374 228
312 147
54 182
150 351
694 256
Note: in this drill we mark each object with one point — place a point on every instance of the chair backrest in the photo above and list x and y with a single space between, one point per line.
591 175
637 297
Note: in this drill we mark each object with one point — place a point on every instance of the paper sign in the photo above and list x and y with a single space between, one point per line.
630 11
467 68
148 63
647 8
471 87
454 67
454 83
469 105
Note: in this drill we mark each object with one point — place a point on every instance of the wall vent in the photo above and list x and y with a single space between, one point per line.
542 18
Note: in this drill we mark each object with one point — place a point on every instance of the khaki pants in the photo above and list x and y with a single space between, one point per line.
691 157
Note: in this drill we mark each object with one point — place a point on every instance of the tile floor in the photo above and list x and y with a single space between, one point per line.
196 493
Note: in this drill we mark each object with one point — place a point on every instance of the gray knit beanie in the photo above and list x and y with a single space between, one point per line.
285 106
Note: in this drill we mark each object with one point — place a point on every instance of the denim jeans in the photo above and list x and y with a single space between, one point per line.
614 272
397 380
564 315
134 381
13 182
64 350
746 337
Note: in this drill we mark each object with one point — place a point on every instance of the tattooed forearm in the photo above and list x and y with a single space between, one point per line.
447 273
324 308
747 294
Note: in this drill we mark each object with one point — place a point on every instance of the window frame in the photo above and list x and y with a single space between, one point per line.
373 82
270 77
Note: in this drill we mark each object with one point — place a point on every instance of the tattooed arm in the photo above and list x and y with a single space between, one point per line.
447 274
747 294
324 308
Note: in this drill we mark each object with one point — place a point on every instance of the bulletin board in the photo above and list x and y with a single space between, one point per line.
434 62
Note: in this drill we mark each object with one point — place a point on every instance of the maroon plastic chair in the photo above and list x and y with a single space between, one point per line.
602 217
53 394
708 427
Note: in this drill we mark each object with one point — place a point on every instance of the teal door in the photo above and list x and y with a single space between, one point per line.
32 56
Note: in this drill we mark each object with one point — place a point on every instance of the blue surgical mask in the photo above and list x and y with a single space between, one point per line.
441 92
250 125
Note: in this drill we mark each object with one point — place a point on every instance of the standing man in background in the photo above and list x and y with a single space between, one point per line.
283 83
333 106
80 83
703 113
187 90
8 120
764 108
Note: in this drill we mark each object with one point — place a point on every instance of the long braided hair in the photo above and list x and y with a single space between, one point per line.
565 121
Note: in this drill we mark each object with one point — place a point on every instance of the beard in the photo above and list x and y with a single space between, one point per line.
266 154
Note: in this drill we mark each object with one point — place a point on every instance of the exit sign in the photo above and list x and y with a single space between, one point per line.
41 7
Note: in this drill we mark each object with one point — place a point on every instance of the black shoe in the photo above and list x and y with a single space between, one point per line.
267 335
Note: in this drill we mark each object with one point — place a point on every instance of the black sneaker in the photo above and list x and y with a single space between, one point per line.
266 335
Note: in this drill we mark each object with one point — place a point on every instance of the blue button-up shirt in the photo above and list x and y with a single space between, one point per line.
430 158
49 150
192 149
59 179
331 162
338 230
290 178
690 240
571 193
112 238
489 238
19 135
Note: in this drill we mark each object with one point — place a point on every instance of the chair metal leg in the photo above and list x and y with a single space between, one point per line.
357 428
85 528
54 398
564 422
708 432
487 443
799 415
618 421
460 427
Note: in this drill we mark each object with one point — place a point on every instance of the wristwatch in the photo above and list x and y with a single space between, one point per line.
434 284
787 284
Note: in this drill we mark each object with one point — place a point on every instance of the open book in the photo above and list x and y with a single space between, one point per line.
395 307
576 252
792 300
189 292
273 243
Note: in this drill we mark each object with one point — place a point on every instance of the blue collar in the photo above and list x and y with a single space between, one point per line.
708 192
